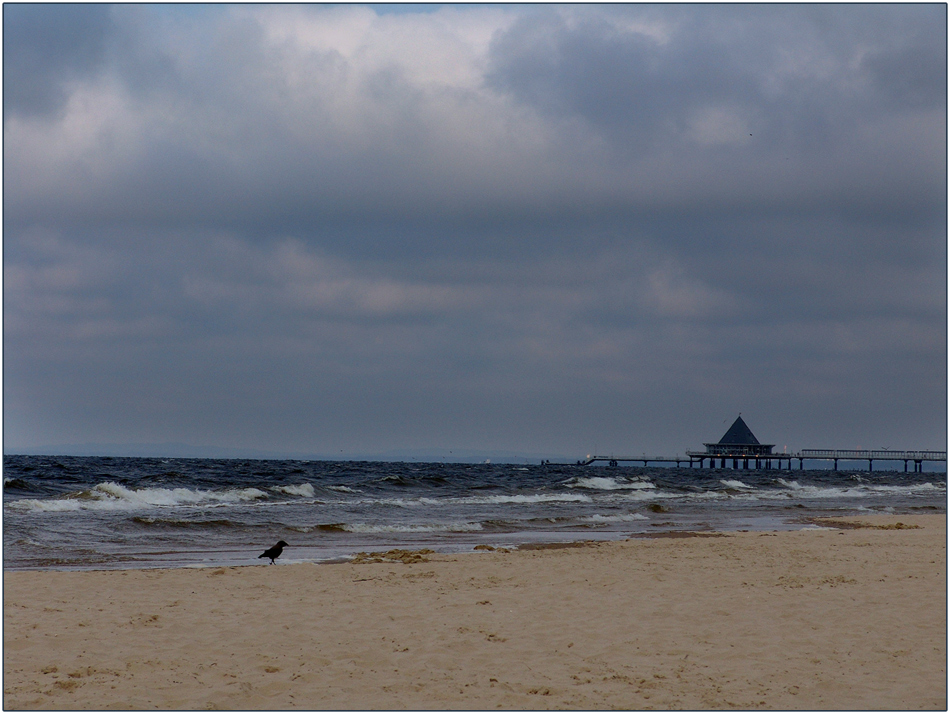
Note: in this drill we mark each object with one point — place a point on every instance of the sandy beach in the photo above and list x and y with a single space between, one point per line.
852 616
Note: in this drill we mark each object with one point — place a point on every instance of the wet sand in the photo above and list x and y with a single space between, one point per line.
839 618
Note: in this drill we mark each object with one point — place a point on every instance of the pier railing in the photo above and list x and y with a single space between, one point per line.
880 454
745 460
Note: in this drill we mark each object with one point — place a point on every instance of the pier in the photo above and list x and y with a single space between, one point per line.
916 457
645 460
694 459
740 460
739 449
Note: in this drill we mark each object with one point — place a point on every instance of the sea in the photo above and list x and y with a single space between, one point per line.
81 513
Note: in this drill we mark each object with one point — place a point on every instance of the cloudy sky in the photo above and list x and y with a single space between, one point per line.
532 229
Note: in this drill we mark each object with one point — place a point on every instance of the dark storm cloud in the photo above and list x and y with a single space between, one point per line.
764 101
631 85
226 134
544 227
45 47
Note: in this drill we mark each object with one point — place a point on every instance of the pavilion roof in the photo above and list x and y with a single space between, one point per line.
739 433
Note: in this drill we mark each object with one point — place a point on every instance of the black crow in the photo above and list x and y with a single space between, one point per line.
274 552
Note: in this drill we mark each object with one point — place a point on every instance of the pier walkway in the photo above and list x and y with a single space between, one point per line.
744 460
917 457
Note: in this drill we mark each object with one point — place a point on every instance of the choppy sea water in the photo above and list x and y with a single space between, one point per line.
113 513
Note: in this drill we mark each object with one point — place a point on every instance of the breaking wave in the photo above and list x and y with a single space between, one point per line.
732 483
598 519
497 499
302 489
859 490
525 498
606 483
110 496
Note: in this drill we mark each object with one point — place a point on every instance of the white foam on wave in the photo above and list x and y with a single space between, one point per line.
524 498
606 483
498 499
649 496
913 488
789 488
300 489
619 518
343 489
108 496
748 494
859 490
34 505
733 483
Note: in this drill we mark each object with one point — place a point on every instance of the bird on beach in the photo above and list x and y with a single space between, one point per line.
274 552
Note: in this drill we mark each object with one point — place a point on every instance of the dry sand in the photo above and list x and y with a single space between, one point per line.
818 619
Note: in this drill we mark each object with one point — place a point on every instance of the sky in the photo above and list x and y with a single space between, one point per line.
533 229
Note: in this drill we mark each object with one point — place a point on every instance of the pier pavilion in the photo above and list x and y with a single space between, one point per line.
739 446
740 449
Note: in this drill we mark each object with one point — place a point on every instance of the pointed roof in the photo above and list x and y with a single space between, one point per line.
739 433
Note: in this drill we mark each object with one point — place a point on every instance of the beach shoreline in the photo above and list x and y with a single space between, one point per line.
850 614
